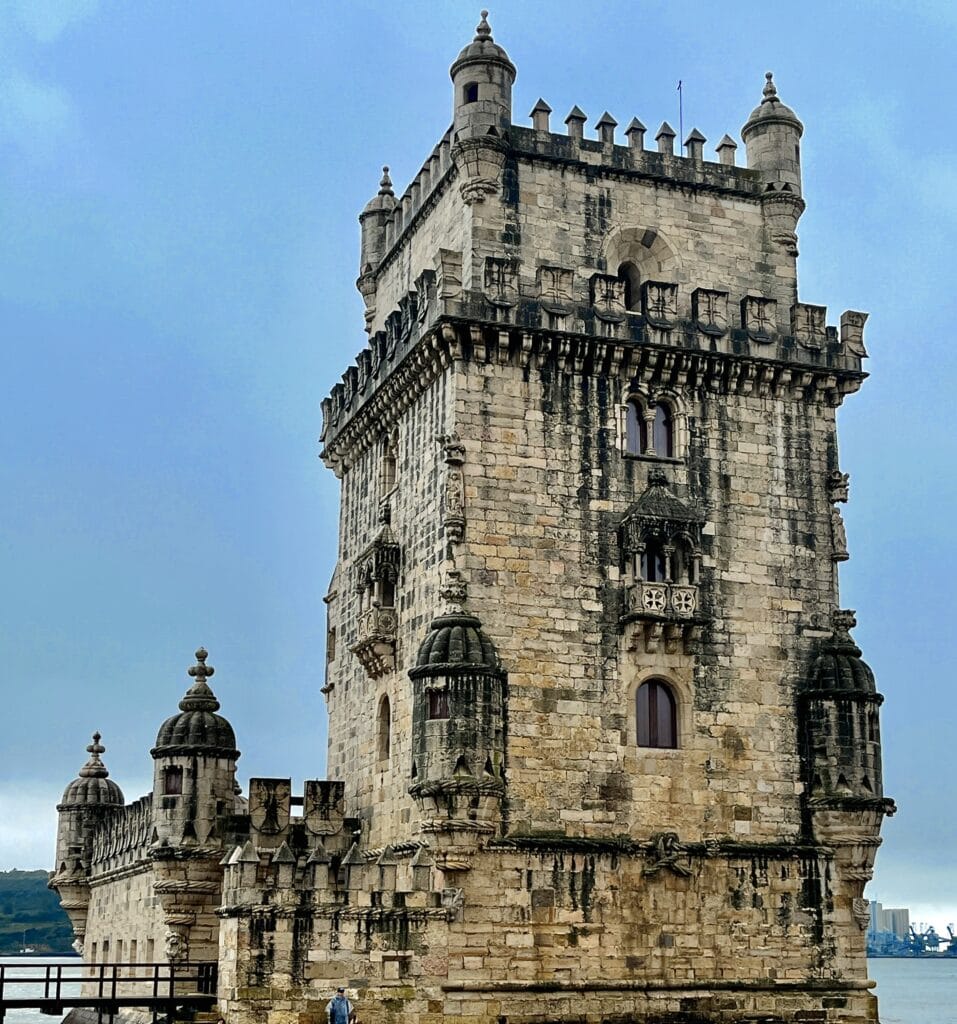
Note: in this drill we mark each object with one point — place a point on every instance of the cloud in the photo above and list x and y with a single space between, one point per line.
36 117
45 20
28 836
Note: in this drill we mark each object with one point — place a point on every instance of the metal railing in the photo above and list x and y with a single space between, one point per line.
50 987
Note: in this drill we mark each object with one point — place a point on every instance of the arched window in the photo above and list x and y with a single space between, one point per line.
663 432
629 276
654 567
384 731
656 716
636 431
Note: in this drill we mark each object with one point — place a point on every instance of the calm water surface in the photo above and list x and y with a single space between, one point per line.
916 991
910 991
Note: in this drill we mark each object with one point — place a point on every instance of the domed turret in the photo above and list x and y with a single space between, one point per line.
458 722
197 727
84 801
482 78
372 224
841 721
194 774
772 135
93 786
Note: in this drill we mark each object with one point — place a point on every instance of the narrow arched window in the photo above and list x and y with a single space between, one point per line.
387 464
656 716
384 731
663 432
629 276
636 432
654 567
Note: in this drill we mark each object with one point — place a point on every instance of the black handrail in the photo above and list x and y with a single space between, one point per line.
159 984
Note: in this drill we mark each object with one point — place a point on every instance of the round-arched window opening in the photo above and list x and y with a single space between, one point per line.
629 276
654 567
656 716
636 431
663 434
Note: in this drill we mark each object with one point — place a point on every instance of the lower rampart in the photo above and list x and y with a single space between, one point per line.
534 931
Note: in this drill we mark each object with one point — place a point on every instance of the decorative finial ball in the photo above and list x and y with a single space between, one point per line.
202 654
484 14
385 168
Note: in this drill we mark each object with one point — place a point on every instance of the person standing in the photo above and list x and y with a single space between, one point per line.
339 1010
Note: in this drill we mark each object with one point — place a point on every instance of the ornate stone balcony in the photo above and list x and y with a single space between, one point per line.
375 643
663 611
672 600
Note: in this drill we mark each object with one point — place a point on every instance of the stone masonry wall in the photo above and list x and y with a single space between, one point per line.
546 484
377 787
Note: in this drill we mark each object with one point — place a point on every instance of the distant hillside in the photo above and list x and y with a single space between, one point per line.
30 915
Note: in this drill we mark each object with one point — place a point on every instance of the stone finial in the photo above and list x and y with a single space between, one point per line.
539 116
385 185
576 122
694 145
94 767
725 150
666 139
606 129
483 30
770 90
201 671
199 697
635 134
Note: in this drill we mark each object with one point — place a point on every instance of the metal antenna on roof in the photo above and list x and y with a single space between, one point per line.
681 119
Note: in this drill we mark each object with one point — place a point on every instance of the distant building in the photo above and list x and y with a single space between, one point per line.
890 921
602 746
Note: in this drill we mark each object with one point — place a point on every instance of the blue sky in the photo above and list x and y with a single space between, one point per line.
179 245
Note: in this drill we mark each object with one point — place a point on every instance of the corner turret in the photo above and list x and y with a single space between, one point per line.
87 798
482 79
194 773
772 135
458 729
844 793
372 223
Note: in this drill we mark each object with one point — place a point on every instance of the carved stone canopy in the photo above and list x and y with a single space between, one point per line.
658 512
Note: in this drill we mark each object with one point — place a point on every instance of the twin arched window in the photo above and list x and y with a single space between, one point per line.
649 431
656 717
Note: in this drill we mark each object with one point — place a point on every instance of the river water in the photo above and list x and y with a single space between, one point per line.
910 991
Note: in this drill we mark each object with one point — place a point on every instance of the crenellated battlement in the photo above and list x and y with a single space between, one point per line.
122 837
707 339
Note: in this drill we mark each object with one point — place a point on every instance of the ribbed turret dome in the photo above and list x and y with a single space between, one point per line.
197 727
771 109
93 786
839 665
482 48
455 641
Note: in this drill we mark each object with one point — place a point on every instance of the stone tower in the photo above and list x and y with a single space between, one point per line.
601 747
585 644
